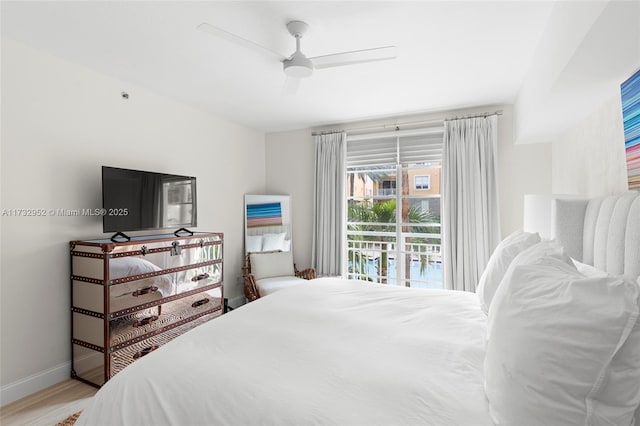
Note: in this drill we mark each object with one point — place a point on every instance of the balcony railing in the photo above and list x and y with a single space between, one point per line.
408 258
386 192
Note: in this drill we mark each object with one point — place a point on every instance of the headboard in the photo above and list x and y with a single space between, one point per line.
603 232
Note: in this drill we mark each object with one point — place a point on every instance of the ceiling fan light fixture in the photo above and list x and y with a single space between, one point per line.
298 66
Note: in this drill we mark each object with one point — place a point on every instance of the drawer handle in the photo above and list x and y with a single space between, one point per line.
199 302
145 290
145 351
200 277
145 321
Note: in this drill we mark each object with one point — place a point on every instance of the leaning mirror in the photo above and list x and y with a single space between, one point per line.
267 223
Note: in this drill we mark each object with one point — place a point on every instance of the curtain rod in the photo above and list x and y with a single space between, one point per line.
483 115
396 126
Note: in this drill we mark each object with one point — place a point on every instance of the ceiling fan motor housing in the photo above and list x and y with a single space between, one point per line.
297 28
298 66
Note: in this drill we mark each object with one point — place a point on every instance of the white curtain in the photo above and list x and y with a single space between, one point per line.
470 218
328 219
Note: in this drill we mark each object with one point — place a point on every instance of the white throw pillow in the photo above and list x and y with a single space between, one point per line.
274 264
254 243
552 335
272 242
120 267
498 263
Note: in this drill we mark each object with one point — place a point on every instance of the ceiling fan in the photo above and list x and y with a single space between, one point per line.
298 65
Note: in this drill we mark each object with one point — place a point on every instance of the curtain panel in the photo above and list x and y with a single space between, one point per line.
470 216
328 219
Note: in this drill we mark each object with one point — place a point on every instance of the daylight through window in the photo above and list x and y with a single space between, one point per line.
393 207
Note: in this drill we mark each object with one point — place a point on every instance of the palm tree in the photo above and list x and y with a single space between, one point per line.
371 217
418 215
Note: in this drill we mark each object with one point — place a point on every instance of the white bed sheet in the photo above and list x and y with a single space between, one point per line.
327 352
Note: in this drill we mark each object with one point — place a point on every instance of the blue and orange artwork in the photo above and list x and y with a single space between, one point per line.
267 214
631 117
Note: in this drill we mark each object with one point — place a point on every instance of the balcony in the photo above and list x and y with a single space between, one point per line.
405 258
386 192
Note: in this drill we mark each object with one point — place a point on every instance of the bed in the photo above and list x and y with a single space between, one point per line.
334 351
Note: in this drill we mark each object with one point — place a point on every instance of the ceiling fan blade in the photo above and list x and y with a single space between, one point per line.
233 38
291 86
355 57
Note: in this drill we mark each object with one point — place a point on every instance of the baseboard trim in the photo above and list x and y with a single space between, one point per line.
34 383
237 301
42 380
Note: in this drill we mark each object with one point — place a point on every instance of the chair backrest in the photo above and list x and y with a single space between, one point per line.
270 264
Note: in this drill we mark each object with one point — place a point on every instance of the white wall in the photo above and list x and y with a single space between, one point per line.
589 159
289 163
523 169
586 51
60 123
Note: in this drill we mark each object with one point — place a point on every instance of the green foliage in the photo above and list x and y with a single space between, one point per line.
369 217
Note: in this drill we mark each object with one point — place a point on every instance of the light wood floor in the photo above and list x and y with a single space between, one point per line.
49 406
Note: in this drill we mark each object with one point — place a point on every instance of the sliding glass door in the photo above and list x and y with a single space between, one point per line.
393 208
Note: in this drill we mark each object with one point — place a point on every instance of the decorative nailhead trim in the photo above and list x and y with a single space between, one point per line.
87 345
87 312
137 308
163 329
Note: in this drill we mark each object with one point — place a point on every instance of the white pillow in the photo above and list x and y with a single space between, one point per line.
621 387
275 264
498 263
272 242
588 270
538 253
254 243
638 410
552 335
121 267
125 266
286 246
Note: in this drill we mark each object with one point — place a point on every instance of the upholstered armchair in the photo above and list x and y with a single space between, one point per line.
268 272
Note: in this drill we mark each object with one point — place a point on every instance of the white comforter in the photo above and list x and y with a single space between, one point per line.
324 352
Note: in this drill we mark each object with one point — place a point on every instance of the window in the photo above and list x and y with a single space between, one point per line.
422 182
393 224
388 187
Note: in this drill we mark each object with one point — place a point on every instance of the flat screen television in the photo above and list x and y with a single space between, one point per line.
135 200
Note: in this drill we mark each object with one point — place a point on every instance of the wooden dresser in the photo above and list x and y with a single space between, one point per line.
129 298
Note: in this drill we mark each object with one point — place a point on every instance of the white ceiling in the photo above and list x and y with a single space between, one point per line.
450 54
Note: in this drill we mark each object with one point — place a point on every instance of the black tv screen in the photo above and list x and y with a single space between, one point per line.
135 200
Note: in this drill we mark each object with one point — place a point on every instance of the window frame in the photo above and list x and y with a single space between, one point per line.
415 183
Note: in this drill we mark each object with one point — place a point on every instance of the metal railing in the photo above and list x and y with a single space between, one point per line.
386 192
398 258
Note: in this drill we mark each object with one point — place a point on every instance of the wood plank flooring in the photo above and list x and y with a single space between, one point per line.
48 406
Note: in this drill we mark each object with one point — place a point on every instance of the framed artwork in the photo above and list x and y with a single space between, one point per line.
264 214
631 118
267 222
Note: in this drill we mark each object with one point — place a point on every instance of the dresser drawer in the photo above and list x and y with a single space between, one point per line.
122 358
128 298
135 326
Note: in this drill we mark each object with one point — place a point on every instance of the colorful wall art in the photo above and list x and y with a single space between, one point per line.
267 214
631 118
